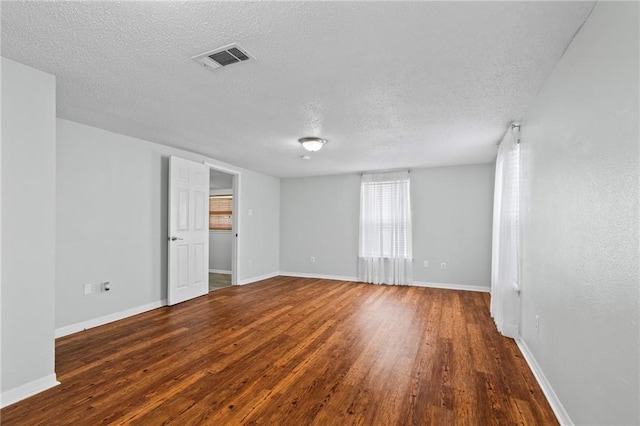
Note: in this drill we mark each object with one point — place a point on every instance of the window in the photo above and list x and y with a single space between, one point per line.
220 212
385 251
385 217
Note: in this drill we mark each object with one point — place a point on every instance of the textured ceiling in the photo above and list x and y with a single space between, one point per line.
389 84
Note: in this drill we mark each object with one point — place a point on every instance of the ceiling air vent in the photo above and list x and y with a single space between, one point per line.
224 56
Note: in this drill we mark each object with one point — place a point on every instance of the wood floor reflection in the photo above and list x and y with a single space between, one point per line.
292 351
217 281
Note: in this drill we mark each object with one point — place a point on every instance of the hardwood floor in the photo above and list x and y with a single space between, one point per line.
218 281
292 351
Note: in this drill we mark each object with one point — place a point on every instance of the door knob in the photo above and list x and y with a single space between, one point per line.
175 238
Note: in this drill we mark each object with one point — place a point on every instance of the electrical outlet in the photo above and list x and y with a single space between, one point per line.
537 323
313 259
443 266
106 285
86 289
426 263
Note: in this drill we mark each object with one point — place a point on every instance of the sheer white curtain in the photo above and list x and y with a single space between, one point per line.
385 253
505 303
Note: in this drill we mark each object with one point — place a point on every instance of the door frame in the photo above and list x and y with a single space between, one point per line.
235 216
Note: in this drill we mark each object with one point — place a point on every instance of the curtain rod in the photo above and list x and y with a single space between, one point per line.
386 171
515 130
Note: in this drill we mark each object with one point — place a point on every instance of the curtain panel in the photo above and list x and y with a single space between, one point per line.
385 250
505 259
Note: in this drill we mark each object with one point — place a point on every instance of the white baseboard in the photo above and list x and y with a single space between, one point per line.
415 283
258 278
554 401
448 286
95 322
220 271
28 389
318 276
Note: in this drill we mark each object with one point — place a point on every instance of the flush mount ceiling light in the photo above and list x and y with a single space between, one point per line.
312 143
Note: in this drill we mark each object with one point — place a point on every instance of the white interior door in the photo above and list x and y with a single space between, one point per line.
188 230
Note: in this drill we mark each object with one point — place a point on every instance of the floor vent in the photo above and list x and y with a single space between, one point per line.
223 57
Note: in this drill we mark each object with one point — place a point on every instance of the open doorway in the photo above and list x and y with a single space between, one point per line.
221 228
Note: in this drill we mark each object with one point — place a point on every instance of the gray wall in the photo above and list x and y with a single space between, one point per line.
220 242
111 205
28 226
220 180
580 222
452 213
259 226
220 246
319 217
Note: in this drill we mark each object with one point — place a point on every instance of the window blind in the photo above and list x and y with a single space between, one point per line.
385 252
220 212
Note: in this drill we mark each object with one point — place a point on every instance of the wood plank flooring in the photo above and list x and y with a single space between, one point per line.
292 351
217 281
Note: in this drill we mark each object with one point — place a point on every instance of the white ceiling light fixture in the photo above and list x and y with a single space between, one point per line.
312 144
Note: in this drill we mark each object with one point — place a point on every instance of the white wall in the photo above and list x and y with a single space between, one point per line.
28 230
452 213
111 204
580 222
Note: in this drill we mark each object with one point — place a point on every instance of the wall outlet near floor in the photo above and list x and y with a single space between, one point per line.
86 289
537 323
443 266
425 263
313 259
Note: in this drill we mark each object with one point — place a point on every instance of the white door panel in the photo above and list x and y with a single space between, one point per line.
200 210
188 230
183 209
